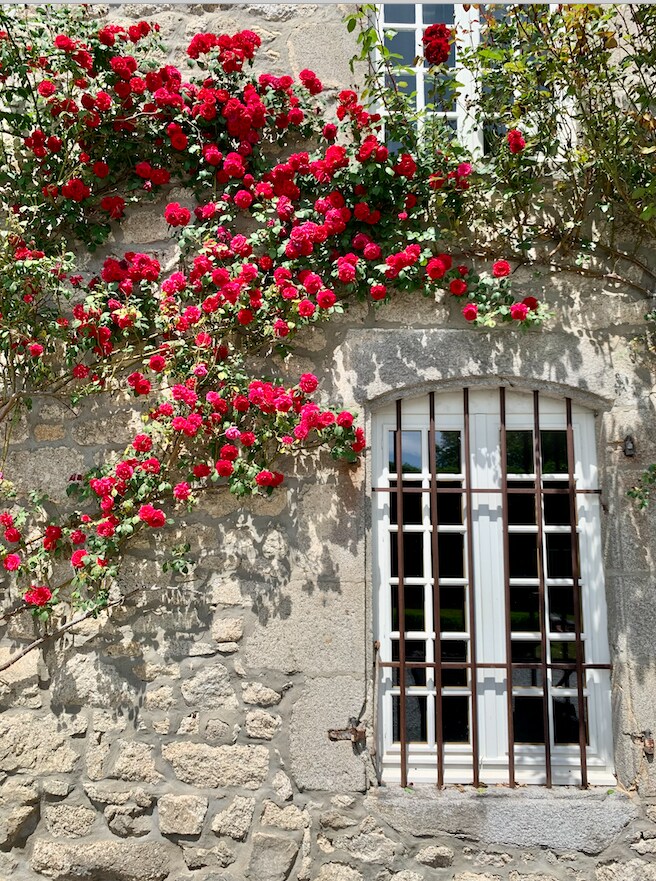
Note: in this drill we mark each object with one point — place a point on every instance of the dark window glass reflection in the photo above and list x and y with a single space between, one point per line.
519 447
521 506
449 505
414 607
399 13
411 451
434 13
415 719
566 720
554 452
413 555
452 609
559 555
561 609
447 452
405 82
454 651
450 548
455 719
556 505
412 504
403 44
528 719
415 650
524 609
523 555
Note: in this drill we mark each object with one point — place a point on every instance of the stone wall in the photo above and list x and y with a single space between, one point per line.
184 735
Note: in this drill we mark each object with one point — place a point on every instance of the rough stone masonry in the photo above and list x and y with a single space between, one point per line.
184 736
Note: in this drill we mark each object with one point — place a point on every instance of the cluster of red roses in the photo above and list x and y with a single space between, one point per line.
515 139
437 41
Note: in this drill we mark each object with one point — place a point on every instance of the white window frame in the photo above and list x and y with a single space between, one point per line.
489 596
466 22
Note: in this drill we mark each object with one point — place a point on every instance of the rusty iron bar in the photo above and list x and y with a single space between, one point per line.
576 569
470 590
499 665
439 733
487 489
542 599
506 585
398 452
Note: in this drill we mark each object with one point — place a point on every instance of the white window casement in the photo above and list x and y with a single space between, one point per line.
493 664
409 21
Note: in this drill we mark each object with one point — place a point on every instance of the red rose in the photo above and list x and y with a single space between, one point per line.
52 536
114 206
142 443
501 269
182 491
519 311
515 139
12 535
470 311
176 214
201 470
458 287
378 291
437 43
224 468
530 302
77 559
308 383
37 596
100 169
11 562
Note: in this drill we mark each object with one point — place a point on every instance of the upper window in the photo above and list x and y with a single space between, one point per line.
494 664
408 22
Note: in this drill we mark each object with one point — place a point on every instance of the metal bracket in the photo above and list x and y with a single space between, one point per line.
355 735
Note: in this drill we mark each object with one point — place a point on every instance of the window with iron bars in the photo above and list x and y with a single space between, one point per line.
493 664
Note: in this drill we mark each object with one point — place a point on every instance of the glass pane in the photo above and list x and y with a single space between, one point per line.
450 548
399 13
559 555
413 555
415 650
554 452
526 677
521 506
556 505
565 652
449 505
452 651
437 12
440 92
455 719
566 720
561 609
412 504
414 607
524 609
403 44
447 452
525 652
528 719
406 83
519 448
523 553
452 609
411 450
415 719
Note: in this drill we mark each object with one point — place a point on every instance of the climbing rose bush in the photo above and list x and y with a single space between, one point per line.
274 236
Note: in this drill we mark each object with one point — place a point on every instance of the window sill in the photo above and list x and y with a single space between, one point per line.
563 819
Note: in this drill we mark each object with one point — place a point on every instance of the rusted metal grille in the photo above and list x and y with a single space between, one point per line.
537 671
